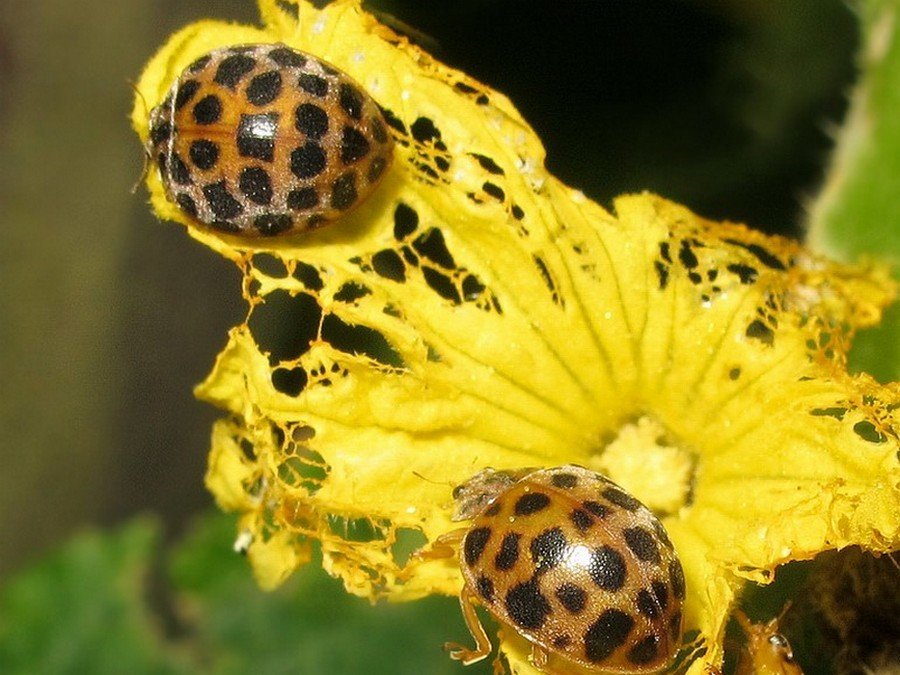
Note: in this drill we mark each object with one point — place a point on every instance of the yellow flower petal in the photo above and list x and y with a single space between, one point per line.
476 312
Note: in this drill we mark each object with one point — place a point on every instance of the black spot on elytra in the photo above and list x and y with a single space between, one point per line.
256 185
676 577
376 168
311 120
645 651
562 641
270 224
199 64
531 502
517 212
607 568
232 70
207 110
642 544
598 509
606 634
187 204
225 226
572 597
256 136
474 543
734 374
548 548
204 154
661 593
313 84
566 481
485 587
647 604
493 509
406 220
178 170
757 330
661 534
581 519
351 100
302 199
379 133
675 626
621 498
308 160
264 88
508 555
223 205
287 58
160 132
745 273
186 92
343 191
354 145
527 606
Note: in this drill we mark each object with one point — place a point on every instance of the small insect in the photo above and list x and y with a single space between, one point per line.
767 652
573 563
262 140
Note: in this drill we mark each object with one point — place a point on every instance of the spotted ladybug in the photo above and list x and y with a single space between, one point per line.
767 651
574 564
262 139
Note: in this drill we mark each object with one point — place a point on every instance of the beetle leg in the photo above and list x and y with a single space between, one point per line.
483 645
441 548
539 657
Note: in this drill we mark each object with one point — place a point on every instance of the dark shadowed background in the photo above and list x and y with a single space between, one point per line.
109 317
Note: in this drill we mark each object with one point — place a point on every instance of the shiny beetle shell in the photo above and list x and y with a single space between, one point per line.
577 566
262 139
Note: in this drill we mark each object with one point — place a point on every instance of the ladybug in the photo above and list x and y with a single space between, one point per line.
574 564
767 651
262 140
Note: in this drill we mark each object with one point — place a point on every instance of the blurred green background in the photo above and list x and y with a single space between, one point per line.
110 317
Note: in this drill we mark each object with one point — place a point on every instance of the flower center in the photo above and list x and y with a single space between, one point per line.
647 462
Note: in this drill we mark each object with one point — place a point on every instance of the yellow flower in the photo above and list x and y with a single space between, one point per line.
476 312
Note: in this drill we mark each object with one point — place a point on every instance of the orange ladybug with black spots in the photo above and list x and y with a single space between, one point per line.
262 140
574 564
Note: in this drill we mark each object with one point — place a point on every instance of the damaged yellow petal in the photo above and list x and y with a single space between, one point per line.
476 312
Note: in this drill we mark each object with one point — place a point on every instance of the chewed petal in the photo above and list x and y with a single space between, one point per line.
475 312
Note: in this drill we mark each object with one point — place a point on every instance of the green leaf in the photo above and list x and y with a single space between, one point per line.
101 604
858 212
82 610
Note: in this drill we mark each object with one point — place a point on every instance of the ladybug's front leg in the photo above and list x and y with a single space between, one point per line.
473 623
